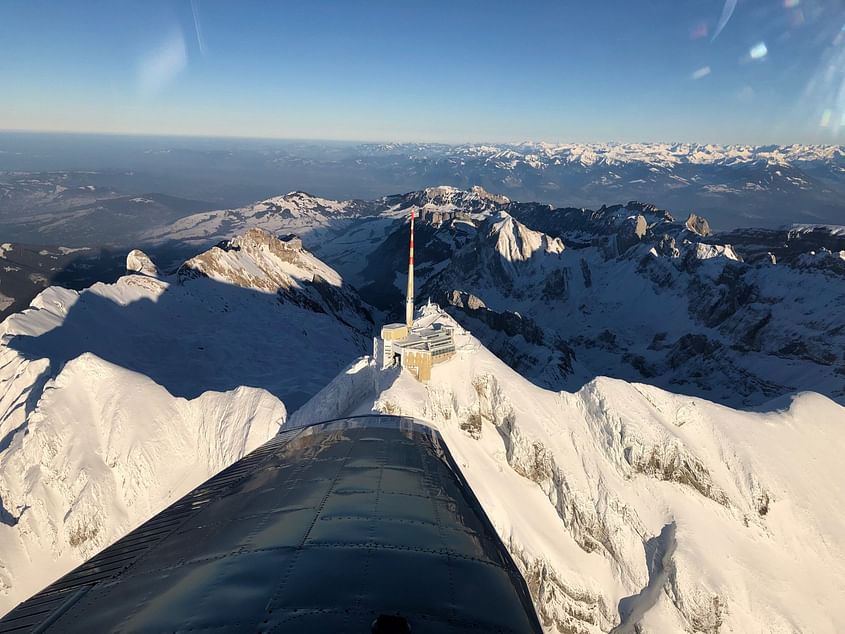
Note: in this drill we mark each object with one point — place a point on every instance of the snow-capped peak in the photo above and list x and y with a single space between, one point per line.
447 193
657 154
300 203
259 260
517 243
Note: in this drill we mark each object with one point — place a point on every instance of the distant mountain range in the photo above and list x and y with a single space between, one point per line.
734 185
741 316
666 154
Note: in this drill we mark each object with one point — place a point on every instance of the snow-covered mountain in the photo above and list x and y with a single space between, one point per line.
655 154
567 294
625 503
649 411
735 185
119 399
645 298
295 212
317 220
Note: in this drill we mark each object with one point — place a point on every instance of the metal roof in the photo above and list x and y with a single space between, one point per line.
333 527
430 338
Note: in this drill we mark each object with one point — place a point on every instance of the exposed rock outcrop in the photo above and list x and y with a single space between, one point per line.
698 225
139 262
510 323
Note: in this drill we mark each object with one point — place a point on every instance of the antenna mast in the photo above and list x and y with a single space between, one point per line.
409 302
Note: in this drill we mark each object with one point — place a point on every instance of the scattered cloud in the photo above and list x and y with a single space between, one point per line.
727 12
197 27
701 73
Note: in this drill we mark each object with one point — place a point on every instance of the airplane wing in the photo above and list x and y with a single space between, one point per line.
361 524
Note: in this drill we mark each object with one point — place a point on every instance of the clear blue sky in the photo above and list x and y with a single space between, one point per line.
429 70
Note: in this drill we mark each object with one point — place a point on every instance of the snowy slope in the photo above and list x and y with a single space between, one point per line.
119 399
104 449
343 233
735 518
295 212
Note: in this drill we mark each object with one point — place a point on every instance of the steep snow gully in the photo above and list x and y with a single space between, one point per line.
658 552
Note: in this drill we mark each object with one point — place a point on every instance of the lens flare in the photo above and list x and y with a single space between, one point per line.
758 51
699 31
162 64
825 120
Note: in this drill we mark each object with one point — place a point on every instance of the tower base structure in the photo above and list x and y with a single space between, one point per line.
415 349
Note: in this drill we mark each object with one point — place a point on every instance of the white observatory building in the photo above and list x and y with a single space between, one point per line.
416 349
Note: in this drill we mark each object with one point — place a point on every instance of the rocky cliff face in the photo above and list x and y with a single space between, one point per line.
139 262
445 201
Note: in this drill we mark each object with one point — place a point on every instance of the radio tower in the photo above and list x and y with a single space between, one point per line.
409 302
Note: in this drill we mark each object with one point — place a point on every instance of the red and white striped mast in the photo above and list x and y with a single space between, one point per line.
409 302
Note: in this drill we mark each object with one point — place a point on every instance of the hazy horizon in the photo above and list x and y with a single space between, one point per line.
388 141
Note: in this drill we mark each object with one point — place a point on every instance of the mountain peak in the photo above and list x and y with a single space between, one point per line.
698 225
298 203
139 262
477 192
257 259
515 242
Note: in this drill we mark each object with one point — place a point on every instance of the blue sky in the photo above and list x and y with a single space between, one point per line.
452 71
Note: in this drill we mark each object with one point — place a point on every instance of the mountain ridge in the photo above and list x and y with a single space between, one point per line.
582 485
722 297
622 378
